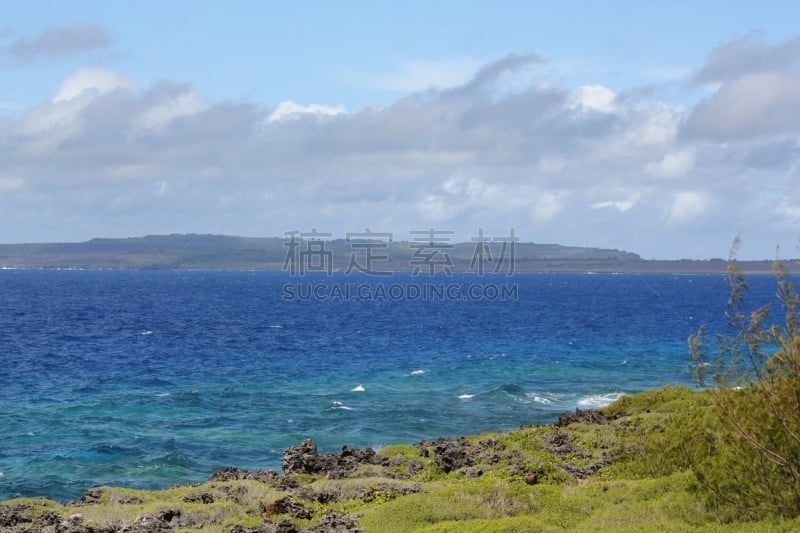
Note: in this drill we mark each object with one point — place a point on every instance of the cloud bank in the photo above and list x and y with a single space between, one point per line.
584 166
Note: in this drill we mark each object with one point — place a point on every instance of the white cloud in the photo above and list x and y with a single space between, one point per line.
457 195
182 105
790 212
50 120
95 80
757 91
673 164
289 110
753 105
469 188
658 124
555 163
748 55
594 97
546 205
53 122
620 205
687 205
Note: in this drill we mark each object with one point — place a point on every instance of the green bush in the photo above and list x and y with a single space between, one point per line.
746 457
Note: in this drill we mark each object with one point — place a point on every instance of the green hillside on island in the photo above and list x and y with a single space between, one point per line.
221 252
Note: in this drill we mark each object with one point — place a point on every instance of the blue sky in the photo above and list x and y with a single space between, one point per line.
663 128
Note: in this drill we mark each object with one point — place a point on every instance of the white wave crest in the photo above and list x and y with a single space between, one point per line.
594 401
538 399
466 396
358 388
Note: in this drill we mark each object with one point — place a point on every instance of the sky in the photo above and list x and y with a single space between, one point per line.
665 128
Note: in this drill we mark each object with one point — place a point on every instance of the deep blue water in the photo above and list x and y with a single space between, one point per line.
148 379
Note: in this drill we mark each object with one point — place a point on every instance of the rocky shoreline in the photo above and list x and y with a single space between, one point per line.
314 489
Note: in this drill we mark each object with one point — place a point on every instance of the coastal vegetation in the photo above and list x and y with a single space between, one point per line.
746 450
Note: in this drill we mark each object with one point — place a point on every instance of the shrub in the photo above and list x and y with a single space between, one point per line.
747 457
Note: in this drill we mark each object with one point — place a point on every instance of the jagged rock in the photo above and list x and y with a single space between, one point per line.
475 471
285 483
285 505
15 518
148 524
452 454
12 515
285 526
229 473
584 472
335 523
199 497
589 416
266 476
271 477
560 444
305 459
319 495
91 496
167 520
234 494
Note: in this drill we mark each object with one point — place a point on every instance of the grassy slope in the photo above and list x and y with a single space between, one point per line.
623 475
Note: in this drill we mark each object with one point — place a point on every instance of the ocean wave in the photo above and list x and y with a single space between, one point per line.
340 405
171 458
115 450
358 388
511 390
418 372
538 399
594 401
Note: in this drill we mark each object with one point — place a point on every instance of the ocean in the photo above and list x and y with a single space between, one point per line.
152 378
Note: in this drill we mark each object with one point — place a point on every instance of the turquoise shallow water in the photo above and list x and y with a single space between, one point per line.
148 379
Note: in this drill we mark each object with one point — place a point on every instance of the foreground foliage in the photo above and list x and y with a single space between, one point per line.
746 452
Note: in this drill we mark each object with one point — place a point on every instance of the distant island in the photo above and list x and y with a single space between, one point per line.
222 252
